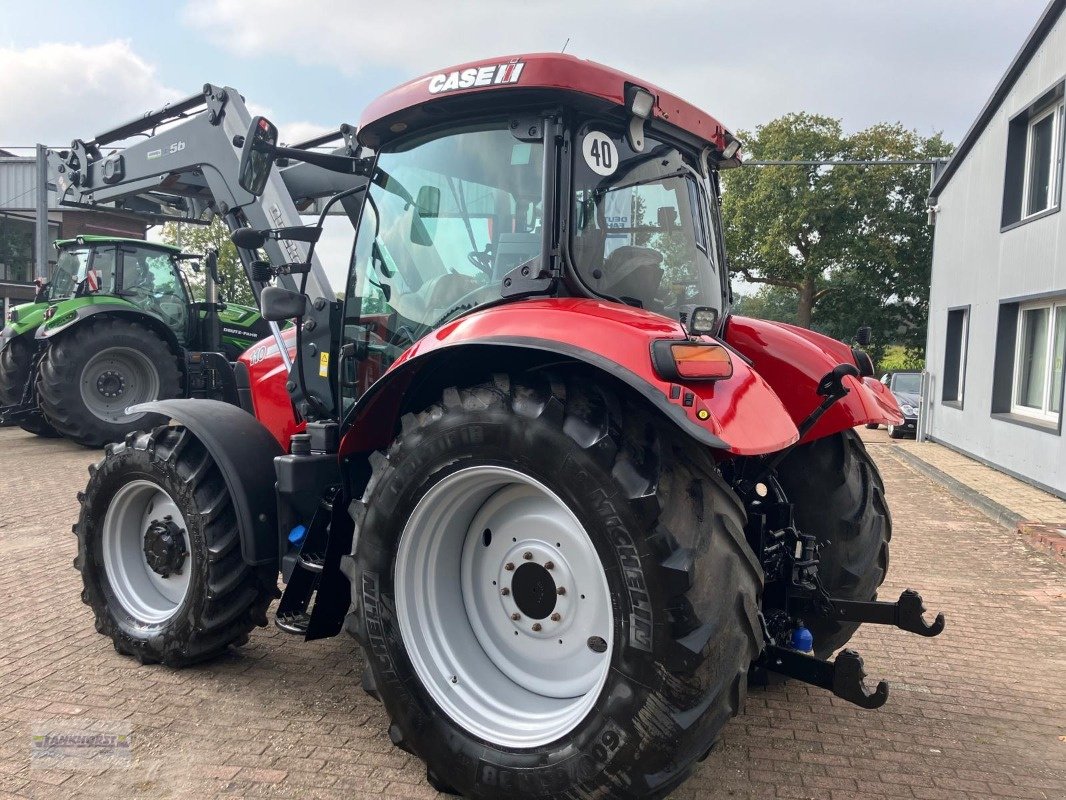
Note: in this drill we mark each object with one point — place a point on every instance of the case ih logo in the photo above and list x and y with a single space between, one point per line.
489 75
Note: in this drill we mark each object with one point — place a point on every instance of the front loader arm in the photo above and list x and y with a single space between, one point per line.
187 171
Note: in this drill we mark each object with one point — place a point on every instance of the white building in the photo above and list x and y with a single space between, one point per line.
997 307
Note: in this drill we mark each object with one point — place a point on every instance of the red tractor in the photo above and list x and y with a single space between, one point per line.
564 499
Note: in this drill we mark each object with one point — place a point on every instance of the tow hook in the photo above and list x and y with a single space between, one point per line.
844 676
906 613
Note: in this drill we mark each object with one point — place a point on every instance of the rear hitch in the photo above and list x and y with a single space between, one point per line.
906 613
844 676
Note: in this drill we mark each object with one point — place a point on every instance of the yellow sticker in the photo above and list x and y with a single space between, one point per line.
323 365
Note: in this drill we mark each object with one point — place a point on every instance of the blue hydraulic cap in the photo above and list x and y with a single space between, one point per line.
297 535
802 640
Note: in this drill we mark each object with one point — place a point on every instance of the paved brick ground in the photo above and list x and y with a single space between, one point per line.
978 712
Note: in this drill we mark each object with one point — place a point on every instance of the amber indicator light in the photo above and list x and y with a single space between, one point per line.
701 361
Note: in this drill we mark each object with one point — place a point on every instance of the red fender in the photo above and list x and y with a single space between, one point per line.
744 416
793 360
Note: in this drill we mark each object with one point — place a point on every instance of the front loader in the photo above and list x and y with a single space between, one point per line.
117 324
564 499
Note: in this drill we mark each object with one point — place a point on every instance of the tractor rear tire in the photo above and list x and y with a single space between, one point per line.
90 375
838 495
167 481
16 360
626 689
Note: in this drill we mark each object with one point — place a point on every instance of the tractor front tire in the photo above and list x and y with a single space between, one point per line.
16 360
839 497
553 592
159 552
91 374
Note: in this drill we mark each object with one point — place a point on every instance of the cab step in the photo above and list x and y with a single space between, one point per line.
295 623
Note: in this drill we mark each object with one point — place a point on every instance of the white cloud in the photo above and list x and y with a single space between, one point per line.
52 93
929 65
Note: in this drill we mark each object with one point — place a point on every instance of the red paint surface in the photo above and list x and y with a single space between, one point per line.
743 410
552 71
270 398
793 360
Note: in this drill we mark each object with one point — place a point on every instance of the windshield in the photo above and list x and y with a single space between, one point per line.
450 217
642 232
71 268
907 382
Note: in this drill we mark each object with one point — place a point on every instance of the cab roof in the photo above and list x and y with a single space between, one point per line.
97 239
384 116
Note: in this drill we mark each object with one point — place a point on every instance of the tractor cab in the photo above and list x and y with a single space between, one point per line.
542 176
517 185
147 274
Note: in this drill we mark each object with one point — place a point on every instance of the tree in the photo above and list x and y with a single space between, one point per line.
771 302
850 244
233 283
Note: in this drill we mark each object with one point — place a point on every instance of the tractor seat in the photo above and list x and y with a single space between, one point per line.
631 271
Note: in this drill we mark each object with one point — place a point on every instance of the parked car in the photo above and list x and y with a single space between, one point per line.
907 388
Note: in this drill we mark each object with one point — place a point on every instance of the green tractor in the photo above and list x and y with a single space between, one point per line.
117 325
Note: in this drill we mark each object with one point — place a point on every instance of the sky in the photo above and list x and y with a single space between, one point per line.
72 69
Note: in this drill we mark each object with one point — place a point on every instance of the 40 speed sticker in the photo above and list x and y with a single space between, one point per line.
600 153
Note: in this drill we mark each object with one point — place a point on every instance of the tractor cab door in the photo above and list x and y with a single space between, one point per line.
459 210
152 280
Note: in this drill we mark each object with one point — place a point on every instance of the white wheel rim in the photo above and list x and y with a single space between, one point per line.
141 591
495 676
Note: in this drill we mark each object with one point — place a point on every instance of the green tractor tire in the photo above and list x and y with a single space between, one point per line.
91 375
16 360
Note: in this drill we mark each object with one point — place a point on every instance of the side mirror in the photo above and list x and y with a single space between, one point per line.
426 206
280 304
863 335
667 218
257 155
428 202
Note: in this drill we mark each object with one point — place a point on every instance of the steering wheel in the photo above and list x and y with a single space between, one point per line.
482 259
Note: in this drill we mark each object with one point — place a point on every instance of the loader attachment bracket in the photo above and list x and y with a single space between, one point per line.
844 676
906 613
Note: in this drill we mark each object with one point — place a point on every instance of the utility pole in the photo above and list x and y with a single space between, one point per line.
40 269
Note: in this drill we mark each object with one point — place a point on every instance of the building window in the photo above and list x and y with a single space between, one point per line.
1033 179
1041 158
1038 361
955 355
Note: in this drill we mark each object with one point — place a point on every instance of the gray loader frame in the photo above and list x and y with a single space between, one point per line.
186 170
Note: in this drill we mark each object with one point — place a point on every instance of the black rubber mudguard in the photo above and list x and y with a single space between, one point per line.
244 451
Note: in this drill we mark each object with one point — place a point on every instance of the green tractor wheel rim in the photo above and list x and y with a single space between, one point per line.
115 379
